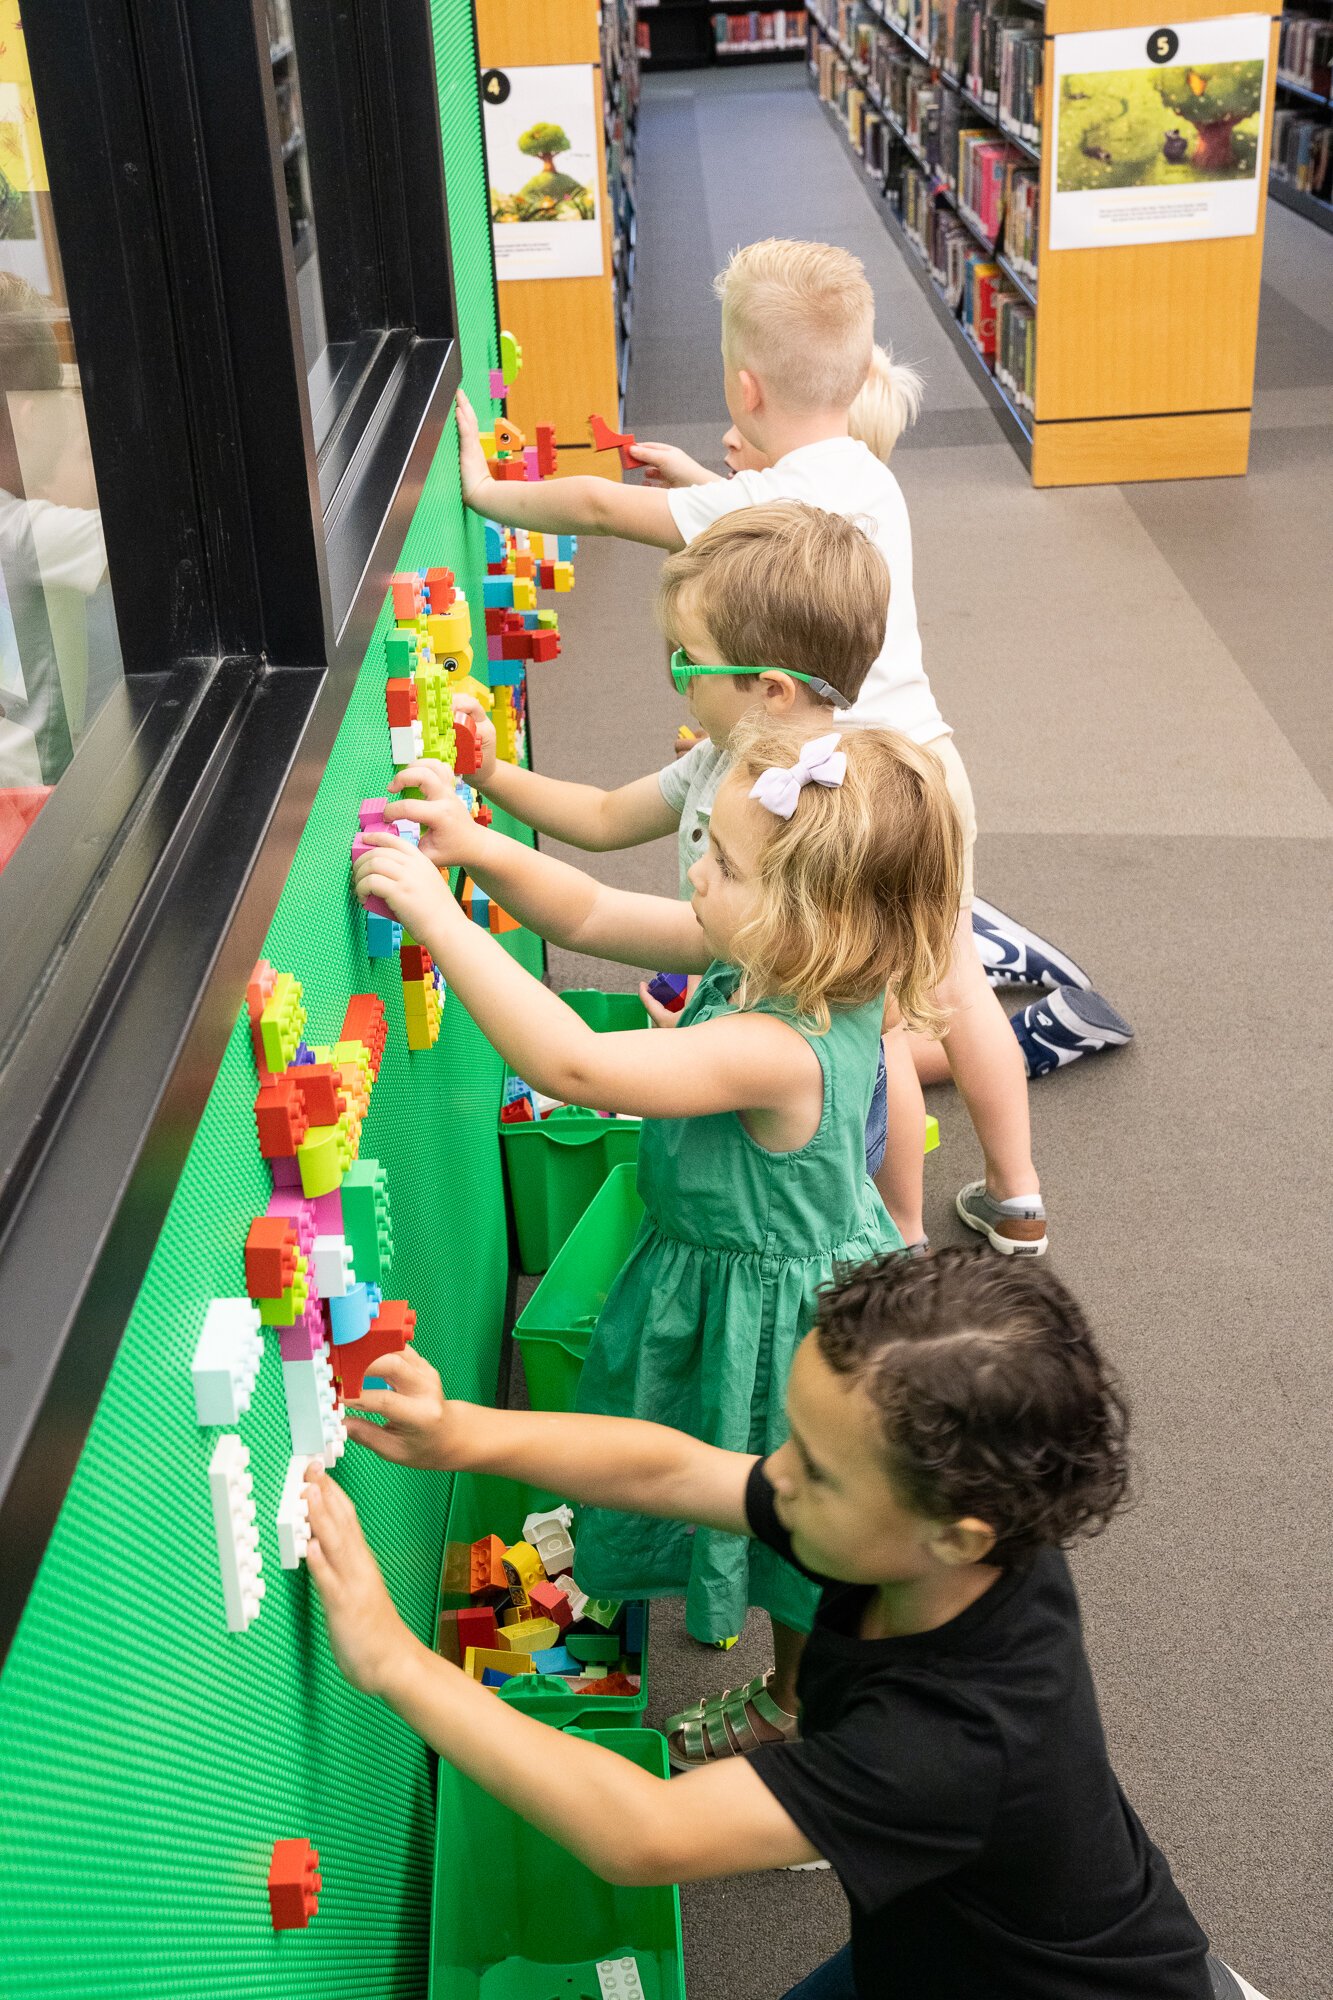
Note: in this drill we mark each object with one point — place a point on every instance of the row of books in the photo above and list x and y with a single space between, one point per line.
1305 51
998 58
1022 225
984 165
1303 152
866 129
783 28
1000 323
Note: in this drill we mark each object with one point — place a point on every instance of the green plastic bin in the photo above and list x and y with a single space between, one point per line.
556 1166
515 1917
553 1328
483 1504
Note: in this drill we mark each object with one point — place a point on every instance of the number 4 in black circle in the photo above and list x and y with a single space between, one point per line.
1162 45
495 86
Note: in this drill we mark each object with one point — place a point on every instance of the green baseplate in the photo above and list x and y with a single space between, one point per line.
151 1757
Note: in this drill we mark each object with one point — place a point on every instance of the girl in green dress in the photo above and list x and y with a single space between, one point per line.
830 878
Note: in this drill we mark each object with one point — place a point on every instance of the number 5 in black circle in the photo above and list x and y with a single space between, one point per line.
1162 45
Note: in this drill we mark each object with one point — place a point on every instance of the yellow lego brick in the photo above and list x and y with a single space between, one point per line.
526 1564
563 576
530 1635
478 1658
324 1155
281 1022
448 630
525 594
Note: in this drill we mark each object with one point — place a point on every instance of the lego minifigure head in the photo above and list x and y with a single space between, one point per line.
947 1410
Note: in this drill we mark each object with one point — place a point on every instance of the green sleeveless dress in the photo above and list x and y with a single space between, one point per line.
700 1327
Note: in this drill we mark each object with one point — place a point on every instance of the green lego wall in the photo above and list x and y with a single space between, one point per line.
151 1757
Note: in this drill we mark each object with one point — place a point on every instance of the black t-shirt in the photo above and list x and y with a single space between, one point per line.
958 1782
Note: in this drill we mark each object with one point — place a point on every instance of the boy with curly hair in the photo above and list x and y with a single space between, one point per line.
953 1426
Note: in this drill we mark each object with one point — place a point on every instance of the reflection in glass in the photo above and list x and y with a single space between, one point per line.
59 647
296 173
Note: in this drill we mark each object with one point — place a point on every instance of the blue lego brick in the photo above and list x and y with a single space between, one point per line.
350 1316
505 673
556 1660
634 1628
383 936
495 542
497 593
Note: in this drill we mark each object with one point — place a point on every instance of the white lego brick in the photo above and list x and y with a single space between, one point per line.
406 743
619 1979
559 1517
294 1516
239 1559
578 1599
318 1427
333 1267
550 1536
226 1361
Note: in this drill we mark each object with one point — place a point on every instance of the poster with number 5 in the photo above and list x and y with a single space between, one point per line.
1159 134
542 147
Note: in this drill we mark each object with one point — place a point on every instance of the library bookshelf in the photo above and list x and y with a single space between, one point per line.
1301 171
698 34
575 332
1128 363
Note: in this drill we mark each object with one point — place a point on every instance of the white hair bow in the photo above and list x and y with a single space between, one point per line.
818 764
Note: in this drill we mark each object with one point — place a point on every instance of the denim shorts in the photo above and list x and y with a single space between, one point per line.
830 1981
877 1124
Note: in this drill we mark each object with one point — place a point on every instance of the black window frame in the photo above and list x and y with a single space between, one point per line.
247 572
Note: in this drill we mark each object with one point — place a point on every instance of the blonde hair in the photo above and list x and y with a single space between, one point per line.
801 316
889 401
783 585
859 889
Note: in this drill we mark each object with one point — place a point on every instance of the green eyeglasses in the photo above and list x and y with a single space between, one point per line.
684 670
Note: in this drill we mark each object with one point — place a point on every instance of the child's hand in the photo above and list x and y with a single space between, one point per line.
657 1013
473 469
668 465
468 705
365 1631
685 741
420 1427
401 876
448 830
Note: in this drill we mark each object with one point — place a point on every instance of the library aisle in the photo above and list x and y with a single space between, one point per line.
1138 678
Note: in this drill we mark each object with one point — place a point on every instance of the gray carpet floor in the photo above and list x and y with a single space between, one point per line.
1139 681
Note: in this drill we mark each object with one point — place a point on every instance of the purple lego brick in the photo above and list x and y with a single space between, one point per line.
286 1174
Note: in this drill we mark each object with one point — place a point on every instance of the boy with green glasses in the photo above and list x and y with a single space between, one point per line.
779 607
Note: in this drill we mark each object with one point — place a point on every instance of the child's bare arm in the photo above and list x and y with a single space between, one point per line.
622 1822
668 465
584 815
598 1461
579 506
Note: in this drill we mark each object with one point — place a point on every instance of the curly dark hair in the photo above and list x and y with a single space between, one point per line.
994 1399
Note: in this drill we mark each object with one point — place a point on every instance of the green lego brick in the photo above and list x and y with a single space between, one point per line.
367 1223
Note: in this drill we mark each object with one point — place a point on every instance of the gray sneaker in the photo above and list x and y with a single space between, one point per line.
1016 1228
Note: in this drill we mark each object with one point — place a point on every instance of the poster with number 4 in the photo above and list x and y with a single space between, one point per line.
1159 134
542 142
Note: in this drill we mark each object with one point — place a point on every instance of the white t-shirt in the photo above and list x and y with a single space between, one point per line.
689 786
843 476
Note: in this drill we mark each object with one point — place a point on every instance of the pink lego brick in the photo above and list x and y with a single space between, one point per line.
497 386
531 462
328 1214
286 1174
297 1209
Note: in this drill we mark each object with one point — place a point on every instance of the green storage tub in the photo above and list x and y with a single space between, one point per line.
553 1328
515 1917
483 1504
556 1166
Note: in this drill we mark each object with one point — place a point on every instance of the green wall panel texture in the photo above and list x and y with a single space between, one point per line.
151 1757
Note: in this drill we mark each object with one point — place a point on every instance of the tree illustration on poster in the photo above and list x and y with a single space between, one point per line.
1215 101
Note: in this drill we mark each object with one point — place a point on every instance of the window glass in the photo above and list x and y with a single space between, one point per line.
59 648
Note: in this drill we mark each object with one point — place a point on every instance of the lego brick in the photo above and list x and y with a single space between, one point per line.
524 1564
603 1611
280 1120
578 1599
289 1305
390 1331
529 1635
318 1427
593 1647
619 1979
317 1087
408 744
546 453
271 1251
544 647
324 1155
239 1560
549 1534
669 990
294 1883
478 1658
547 1601
367 1222
476 1624
305 1337
555 1660
367 1022
400 702
617 1683
496 385
350 1316
488 1581
511 357
449 631
409 599
440 584
456 1569
293 1520
226 1361
282 1021
334 1274
635 1628
303 1214
467 754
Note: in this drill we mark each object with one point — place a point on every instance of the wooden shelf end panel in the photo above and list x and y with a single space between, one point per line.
566 328
1214 445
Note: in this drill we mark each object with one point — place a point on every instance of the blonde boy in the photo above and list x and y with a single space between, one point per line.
797 348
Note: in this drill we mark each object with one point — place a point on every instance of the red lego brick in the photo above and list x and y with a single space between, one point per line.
280 1118
517 1113
366 1022
390 1331
495 620
317 1085
415 961
294 1883
400 699
508 468
440 584
546 453
484 815
489 1582
476 1626
467 756
409 599
548 1602
610 1684
545 646
270 1256
517 645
